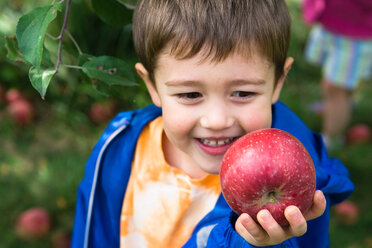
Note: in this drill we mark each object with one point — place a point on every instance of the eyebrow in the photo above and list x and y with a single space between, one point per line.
182 83
235 82
252 81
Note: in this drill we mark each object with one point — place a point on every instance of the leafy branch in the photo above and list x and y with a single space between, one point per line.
60 37
28 46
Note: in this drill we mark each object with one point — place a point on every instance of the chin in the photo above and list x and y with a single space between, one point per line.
212 169
214 172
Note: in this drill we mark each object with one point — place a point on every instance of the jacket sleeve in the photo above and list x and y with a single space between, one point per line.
333 177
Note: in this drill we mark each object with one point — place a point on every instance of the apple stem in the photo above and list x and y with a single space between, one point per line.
272 196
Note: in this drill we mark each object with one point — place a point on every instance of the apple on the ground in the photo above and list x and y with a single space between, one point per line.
34 223
101 112
358 134
347 212
13 95
21 111
268 169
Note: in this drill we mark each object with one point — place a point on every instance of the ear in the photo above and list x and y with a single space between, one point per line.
279 85
151 87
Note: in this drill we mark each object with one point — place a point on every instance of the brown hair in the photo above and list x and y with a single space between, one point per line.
219 26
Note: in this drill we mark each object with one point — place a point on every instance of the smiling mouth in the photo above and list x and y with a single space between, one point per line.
217 142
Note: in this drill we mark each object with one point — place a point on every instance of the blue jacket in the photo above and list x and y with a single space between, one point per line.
101 192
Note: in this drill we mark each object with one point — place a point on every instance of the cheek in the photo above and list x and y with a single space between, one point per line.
256 120
176 125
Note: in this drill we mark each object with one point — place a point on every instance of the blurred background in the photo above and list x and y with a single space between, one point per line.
44 144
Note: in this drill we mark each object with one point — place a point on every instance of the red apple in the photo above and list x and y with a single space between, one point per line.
347 212
22 111
358 134
101 112
13 95
268 169
34 223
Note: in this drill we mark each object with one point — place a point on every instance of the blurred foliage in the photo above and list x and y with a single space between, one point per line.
42 163
70 90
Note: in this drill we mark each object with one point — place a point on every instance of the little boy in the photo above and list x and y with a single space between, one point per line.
214 70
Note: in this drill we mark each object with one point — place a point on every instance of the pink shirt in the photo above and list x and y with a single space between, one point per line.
345 17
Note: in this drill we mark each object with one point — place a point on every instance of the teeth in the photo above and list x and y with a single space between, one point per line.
216 142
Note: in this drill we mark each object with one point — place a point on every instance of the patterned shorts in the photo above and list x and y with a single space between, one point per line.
344 61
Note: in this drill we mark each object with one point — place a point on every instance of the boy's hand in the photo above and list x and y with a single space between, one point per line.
269 232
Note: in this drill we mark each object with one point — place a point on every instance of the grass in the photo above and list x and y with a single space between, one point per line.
42 164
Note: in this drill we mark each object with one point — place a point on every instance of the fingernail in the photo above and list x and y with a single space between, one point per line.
294 214
321 197
264 216
246 219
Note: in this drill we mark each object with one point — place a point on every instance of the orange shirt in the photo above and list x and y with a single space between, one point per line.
162 205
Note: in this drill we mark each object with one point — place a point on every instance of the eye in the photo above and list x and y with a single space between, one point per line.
189 95
242 94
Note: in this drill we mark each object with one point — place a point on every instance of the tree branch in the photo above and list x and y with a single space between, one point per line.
60 37
74 41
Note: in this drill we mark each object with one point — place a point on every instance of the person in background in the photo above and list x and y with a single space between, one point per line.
341 43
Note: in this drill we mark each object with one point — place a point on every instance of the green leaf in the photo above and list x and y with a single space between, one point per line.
46 61
112 12
40 79
31 30
14 53
110 70
102 88
83 58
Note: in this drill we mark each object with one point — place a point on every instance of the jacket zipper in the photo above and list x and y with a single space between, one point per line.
96 172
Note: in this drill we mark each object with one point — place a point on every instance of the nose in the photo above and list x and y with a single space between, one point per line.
216 117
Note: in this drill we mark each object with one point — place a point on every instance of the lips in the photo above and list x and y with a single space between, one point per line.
215 147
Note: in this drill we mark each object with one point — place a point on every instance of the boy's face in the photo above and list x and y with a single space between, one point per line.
206 105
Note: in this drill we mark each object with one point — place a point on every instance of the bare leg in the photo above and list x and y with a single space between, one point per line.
337 109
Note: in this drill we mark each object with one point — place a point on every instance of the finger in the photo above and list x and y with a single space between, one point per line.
318 207
269 224
249 229
297 223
